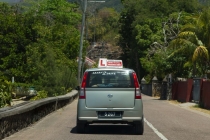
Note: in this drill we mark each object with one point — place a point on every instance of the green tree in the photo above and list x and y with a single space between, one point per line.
13 40
136 14
52 56
202 27
188 43
39 44
184 54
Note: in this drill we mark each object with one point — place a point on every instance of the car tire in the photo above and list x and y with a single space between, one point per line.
80 127
139 127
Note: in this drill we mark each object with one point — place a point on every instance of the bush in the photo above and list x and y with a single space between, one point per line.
5 93
40 95
5 99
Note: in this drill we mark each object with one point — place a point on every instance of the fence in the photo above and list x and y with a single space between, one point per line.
156 88
182 90
205 94
191 90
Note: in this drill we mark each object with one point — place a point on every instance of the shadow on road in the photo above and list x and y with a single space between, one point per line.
107 129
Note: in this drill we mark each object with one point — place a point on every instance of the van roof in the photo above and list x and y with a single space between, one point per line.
98 69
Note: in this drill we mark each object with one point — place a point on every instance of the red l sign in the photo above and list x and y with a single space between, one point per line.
101 62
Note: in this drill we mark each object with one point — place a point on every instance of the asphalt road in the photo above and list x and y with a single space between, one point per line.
163 120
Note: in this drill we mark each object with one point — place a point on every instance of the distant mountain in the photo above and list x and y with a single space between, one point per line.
116 4
204 2
11 1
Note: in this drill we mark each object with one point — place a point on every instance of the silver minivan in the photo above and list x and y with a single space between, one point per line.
110 95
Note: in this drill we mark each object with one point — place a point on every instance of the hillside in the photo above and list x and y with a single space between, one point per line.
116 4
11 1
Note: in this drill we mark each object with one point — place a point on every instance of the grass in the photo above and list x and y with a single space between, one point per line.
198 108
174 102
195 107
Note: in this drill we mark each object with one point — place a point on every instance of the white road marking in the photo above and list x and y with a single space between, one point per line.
155 130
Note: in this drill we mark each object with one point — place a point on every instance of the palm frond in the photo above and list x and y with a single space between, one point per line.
188 27
200 53
182 46
179 51
189 35
188 64
180 42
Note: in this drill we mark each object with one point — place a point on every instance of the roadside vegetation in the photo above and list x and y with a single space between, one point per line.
39 47
166 37
198 108
5 94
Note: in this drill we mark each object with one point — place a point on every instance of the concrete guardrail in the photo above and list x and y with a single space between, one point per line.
15 118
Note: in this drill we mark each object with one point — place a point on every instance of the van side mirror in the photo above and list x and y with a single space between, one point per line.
77 88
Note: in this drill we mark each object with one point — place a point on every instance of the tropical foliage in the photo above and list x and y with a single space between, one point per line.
5 96
39 44
165 37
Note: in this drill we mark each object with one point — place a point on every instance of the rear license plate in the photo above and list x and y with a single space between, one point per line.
109 114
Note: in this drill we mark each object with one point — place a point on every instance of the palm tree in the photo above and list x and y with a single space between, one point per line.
187 43
203 30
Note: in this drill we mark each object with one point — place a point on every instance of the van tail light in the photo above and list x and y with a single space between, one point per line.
137 87
83 85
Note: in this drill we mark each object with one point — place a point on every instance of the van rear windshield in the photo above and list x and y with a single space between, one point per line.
110 79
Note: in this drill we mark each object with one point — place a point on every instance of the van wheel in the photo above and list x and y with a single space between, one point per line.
80 127
139 127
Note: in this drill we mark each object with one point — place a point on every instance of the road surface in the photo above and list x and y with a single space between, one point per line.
163 120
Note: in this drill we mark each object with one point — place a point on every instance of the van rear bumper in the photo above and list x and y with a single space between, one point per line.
129 115
131 120
123 119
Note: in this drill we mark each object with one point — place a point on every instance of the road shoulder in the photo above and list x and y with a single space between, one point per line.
191 107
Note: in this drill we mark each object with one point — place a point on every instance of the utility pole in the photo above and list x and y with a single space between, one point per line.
84 6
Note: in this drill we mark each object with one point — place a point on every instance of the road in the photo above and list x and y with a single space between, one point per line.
163 120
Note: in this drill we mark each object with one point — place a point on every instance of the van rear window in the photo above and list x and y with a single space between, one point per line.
110 79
